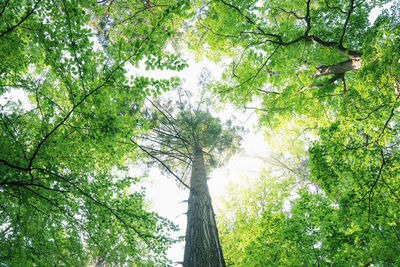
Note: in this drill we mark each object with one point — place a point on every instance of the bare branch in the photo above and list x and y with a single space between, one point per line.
346 22
162 163
185 142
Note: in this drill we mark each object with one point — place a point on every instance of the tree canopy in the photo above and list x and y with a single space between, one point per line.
322 75
66 195
177 128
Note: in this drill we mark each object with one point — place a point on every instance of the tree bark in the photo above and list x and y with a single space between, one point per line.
340 68
202 247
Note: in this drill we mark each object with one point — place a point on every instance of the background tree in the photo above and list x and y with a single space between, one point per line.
185 139
267 221
66 198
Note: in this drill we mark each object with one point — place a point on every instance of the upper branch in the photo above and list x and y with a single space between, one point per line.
278 39
86 96
21 21
252 22
346 22
349 53
162 163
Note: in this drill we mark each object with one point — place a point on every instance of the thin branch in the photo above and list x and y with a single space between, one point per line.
21 21
334 7
256 74
346 22
185 142
289 13
111 210
147 137
4 7
307 18
386 124
165 152
252 22
14 166
219 34
162 163
73 46
369 192
34 185
64 211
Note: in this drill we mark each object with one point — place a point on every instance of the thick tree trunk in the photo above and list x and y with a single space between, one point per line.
202 247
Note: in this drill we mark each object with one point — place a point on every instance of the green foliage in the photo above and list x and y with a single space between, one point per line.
65 196
323 69
178 130
275 48
318 69
259 227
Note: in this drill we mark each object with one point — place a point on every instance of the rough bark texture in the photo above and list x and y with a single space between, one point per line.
202 247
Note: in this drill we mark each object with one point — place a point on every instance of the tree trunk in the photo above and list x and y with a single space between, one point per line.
202 247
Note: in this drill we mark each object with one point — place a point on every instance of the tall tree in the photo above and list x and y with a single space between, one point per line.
191 140
66 198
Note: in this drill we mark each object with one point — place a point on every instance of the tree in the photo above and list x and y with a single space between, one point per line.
291 55
271 221
66 198
185 139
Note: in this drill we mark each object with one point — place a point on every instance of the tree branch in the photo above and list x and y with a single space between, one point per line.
346 52
21 21
107 78
252 22
338 68
112 211
14 166
4 7
35 185
162 163
346 22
